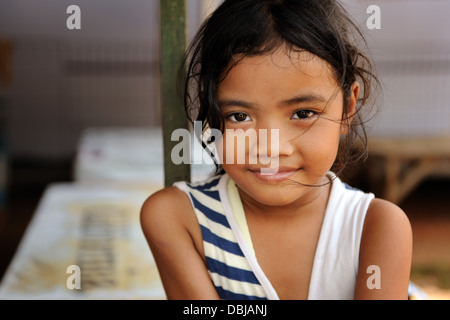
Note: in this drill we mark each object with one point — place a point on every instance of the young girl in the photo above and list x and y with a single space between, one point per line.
296 232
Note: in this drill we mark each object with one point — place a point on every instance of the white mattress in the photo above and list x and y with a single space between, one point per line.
127 154
94 227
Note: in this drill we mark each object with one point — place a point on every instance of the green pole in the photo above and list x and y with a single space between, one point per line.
173 45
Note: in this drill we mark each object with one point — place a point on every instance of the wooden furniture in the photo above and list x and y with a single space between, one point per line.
406 162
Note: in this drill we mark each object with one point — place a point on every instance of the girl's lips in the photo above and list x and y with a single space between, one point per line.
280 175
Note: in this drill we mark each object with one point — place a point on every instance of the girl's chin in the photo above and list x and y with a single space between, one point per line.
275 195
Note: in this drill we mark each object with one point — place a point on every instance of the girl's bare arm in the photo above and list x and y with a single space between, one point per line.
385 253
170 227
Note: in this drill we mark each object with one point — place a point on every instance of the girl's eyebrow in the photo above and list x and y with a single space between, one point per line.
303 98
234 102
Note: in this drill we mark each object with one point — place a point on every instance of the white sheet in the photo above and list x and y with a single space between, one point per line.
95 227
128 154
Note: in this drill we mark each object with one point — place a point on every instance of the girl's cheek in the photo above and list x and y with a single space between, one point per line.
321 144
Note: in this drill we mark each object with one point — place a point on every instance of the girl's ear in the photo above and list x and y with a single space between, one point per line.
351 108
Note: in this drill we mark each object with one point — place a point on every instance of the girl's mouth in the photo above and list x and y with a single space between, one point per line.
283 173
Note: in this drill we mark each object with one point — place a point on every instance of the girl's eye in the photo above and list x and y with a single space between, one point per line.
238 117
304 114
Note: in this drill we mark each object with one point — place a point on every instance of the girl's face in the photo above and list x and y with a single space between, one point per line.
296 94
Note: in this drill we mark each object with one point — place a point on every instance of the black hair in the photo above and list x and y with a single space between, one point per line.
243 28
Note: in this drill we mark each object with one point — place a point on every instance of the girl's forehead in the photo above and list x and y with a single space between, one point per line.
282 72
287 60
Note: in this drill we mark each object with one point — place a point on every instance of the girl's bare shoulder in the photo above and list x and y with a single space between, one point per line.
386 216
166 210
164 199
387 225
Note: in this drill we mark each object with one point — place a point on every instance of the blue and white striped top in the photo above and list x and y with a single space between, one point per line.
226 259
231 260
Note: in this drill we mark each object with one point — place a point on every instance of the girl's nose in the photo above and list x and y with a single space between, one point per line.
273 143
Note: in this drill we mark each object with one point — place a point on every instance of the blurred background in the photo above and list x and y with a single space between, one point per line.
80 137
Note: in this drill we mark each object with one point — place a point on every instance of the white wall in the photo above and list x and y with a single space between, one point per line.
127 19
49 105
412 54
410 20
99 18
